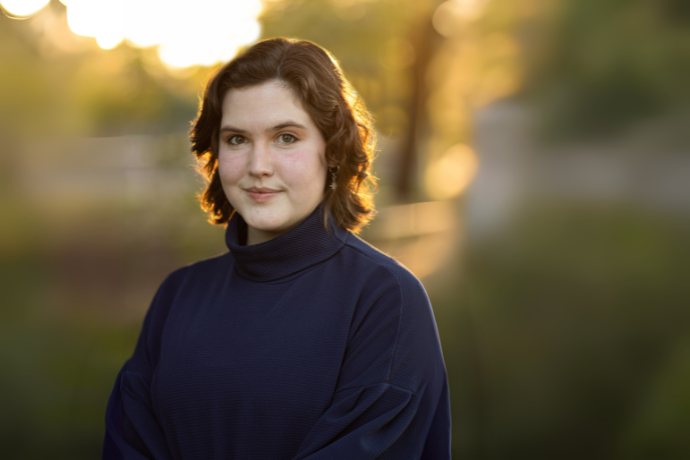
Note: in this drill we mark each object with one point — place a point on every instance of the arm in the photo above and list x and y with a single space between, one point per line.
392 396
132 431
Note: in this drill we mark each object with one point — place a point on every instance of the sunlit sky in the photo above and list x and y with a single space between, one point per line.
192 32
186 32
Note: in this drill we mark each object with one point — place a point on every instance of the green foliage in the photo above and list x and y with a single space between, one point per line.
601 64
56 370
564 338
658 426
45 91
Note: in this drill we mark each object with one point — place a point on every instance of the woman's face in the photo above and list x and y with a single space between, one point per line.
271 159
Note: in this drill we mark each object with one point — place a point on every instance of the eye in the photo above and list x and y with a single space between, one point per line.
286 139
236 140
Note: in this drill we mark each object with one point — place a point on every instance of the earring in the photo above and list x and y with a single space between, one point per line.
334 176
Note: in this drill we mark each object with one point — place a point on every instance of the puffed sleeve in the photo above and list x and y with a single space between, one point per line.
392 399
131 428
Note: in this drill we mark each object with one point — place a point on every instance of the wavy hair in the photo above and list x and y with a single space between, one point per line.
314 75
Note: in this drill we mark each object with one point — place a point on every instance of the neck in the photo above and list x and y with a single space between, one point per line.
284 255
255 236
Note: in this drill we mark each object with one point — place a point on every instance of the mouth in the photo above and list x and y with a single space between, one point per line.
261 194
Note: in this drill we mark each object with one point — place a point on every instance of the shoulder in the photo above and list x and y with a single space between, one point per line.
385 287
394 313
177 285
193 277
382 267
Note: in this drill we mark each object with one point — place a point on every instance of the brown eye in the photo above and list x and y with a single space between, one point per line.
236 140
286 138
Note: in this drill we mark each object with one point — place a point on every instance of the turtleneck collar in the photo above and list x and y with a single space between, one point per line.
302 247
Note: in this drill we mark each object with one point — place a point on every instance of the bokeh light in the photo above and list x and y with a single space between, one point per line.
187 32
452 173
23 7
450 15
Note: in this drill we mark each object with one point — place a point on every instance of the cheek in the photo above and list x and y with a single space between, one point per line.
304 169
230 168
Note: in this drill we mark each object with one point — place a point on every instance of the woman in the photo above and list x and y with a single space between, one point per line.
301 342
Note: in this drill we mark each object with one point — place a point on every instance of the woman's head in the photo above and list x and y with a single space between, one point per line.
314 80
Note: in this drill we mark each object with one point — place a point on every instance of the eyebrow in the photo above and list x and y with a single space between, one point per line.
279 126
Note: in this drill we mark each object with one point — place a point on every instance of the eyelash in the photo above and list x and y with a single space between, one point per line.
233 137
237 136
294 139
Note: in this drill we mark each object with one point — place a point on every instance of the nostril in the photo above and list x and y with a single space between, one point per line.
260 165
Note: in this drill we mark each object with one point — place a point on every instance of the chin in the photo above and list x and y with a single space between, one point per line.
267 223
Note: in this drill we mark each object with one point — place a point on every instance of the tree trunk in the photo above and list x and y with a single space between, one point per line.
425 41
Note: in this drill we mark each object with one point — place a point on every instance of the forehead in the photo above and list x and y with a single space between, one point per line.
264 103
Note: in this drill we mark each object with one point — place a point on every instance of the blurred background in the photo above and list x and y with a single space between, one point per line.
534 172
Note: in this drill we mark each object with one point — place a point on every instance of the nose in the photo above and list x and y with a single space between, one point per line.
259 161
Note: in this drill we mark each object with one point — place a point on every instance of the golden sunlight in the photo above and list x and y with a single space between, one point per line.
450 15
23 7
187 32
452 173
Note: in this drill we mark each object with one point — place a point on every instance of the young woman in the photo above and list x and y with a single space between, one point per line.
302 341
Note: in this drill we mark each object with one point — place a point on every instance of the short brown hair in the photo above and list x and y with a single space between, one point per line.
331 101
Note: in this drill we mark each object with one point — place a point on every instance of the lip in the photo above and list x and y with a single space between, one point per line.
261 194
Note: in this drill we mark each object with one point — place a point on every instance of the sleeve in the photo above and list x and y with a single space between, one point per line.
392 397
131 428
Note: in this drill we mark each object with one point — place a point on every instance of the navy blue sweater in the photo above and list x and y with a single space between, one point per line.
313 345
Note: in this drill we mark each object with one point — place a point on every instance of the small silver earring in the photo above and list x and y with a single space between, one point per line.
334 176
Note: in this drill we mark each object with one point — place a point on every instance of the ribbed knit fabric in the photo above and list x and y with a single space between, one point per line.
313 345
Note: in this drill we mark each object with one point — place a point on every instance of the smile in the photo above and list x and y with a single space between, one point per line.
261 194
